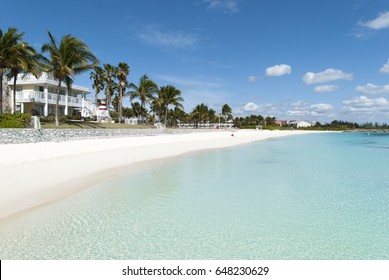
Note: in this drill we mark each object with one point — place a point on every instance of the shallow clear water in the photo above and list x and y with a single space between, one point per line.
322 196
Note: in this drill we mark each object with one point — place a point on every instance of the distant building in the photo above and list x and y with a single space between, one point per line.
281 122
299 124
303 124
39 95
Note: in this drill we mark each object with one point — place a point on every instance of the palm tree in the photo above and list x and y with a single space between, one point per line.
67 59
8 44
145 90
176 115
122 72
226 112
156 105
138 109
26 60
98 84
109 77
212 116
170 96
200 113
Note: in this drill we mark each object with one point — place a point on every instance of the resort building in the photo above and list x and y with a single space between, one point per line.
300 124
38 96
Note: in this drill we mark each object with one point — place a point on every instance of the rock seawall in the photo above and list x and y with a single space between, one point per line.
19 136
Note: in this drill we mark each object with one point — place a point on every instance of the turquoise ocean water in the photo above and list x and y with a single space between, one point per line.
322 196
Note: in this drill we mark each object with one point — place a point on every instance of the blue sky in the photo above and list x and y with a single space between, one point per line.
304 59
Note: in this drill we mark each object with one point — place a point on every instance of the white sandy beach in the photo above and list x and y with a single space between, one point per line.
36 174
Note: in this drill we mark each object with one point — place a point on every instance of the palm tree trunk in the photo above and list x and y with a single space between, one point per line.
142 105
57 105
166 117
1 89
96 98
108 100
14 95
120 104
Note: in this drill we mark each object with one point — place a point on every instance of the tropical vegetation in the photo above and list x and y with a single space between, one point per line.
67 58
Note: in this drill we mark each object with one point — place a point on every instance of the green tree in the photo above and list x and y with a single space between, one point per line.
170 96
98 83
67 59
226 112
109 76
145 90
270 121
26 60
9 43
176 115
200 114
138 110
157 105
123 71
212 117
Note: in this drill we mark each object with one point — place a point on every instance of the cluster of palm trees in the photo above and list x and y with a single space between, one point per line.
16 56
70 56
66 58
114 82
106 79
254 120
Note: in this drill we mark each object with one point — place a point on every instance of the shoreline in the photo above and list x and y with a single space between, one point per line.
39 173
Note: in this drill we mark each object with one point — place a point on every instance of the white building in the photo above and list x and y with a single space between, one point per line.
40 95
300 124
303 124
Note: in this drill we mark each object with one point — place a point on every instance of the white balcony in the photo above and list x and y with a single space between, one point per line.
40 97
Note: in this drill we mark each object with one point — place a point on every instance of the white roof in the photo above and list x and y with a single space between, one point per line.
43 79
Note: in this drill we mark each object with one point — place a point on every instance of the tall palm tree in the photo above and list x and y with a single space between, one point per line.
109 76
8 44
26 60
170 96
145 90
67 59
98 84
122 72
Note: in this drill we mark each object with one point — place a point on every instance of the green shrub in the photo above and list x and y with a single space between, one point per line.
15 120
114 116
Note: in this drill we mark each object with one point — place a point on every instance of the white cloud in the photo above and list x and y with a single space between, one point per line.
373 89
385 68
267 109
326 76
227 6
278 70
252 79
250 107
365 102
172 39
326 88
305 110
365 108
382 21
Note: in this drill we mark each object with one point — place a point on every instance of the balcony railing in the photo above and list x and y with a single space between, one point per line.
40 97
